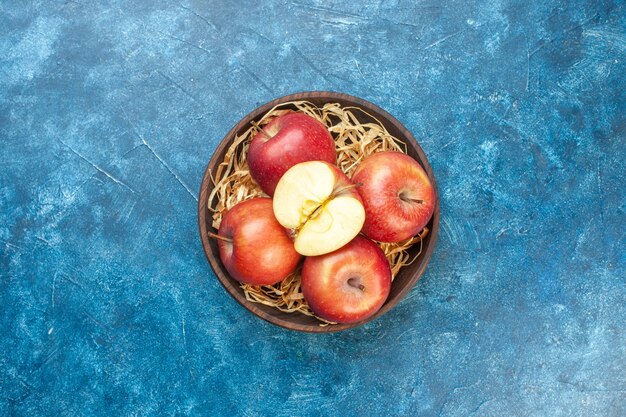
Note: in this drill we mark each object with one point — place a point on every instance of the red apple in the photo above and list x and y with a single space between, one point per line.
397 194
321 205
254 247
284 142
349 284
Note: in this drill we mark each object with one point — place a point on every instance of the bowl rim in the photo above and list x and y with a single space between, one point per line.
214 260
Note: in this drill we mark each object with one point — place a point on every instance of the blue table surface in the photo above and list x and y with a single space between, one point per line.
110 111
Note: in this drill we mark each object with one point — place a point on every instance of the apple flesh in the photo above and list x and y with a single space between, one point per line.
253 246
320 204
349 284
398 196
284 142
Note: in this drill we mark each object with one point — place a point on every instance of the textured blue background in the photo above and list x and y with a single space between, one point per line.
110 111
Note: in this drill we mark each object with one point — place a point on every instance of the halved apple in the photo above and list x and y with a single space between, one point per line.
321 205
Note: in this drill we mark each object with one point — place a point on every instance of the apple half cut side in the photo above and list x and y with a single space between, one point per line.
321 205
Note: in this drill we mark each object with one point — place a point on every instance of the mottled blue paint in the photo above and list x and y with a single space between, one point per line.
110 110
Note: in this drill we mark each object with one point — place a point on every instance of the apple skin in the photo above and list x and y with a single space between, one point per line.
296 137
261 252
330 282
398 196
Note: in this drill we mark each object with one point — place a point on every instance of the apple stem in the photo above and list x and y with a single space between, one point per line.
345 188
407 199
216 236
265 132
353 283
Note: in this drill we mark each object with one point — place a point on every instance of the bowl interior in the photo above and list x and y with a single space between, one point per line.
404 280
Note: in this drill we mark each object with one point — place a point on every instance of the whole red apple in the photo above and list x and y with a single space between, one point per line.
285 141
398 196
254 247
349 284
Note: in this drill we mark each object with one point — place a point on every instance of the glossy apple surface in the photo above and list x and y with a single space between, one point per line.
349 284
285 141
321 205
398 196
253 246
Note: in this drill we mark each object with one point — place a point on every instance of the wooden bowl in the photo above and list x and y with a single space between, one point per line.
404 280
